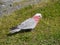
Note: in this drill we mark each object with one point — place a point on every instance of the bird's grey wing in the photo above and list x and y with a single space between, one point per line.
23 23
28 24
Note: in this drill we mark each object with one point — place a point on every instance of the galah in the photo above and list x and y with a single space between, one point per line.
28 24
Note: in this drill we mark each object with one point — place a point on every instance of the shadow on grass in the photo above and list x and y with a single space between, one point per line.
22 31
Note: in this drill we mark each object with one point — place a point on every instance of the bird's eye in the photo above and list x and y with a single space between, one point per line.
39 16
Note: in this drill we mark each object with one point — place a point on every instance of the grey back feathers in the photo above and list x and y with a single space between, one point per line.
28 24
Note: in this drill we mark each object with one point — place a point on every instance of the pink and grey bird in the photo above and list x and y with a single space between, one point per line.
28 24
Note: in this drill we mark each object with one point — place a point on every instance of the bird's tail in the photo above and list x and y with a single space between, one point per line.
15 30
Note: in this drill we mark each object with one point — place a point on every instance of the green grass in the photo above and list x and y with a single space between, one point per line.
47 32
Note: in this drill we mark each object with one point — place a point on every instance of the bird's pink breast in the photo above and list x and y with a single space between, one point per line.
36 18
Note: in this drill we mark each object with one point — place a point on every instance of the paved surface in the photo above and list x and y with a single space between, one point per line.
8 7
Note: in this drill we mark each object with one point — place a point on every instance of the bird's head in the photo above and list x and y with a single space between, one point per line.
37 16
